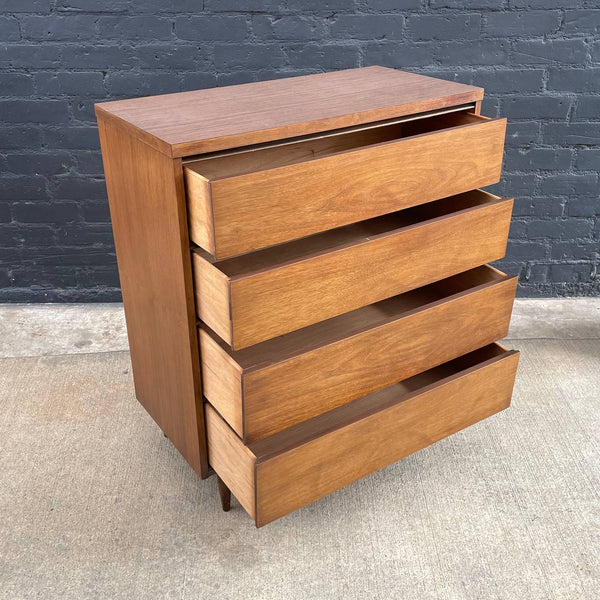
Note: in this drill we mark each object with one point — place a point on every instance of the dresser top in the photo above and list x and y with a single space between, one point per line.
188 123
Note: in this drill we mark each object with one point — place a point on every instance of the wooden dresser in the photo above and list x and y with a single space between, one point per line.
303 266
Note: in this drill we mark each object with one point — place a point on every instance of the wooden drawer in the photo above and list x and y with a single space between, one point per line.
299 465
246 200
255 297
279 383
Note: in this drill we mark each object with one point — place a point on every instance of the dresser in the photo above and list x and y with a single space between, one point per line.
304 273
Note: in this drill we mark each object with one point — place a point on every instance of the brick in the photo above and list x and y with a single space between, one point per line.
490 106
146 27
517 230
248 56
83 110
583 207
486 52
74 138
577 229
546 159
75 188
571 133
544 229
106 6
509 80
45 212
88 163
570 185
46 164
79 84
538 207
397 55
23 187
198 81
5 216
444 27
392 5
523 133
34 111
60 27
26 6
574 251
20 137
127 84
98 235
368 27
531 107
9 29
588 159
588 107
210 28
543 3
516 184
472 4
96 212
160 56
549 51
29 56
270 6
31 236
323 56
101 56
518 250
522 23
16 84
574 80
289 28
581 22
570 273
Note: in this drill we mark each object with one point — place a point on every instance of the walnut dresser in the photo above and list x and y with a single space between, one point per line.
303 266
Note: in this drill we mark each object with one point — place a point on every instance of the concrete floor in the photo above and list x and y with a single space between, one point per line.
96 503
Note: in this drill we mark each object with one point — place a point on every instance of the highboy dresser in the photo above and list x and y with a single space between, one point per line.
303 266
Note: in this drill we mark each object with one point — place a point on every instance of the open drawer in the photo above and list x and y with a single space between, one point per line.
258 296
281 382
290 469
253 198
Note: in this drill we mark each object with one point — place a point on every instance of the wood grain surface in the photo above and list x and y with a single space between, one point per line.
324 456
375 261
283 382
430 159
201 121
147 207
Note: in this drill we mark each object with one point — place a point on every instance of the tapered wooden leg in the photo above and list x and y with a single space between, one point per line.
225 494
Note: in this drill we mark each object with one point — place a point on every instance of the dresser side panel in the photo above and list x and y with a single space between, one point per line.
148 213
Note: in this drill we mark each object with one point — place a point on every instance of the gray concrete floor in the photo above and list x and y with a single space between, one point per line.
96 503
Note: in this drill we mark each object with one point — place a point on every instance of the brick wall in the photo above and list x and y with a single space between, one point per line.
539 61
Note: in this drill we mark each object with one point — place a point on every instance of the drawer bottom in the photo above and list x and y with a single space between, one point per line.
299 465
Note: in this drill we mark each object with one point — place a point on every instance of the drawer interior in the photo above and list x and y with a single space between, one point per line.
376 402
232 164
359 320
307 247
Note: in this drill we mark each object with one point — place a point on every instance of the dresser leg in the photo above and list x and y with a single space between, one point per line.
225 494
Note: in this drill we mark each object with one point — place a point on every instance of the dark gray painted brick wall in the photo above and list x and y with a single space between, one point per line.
539 61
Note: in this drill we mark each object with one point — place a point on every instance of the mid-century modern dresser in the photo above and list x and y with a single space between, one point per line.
303 266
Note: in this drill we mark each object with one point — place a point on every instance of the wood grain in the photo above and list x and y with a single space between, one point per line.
232 461
147 206
270 298
440 157
325 456
287 382
201 121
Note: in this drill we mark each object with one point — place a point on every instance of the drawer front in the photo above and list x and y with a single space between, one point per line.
297 466
268 388
283 297
254 199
